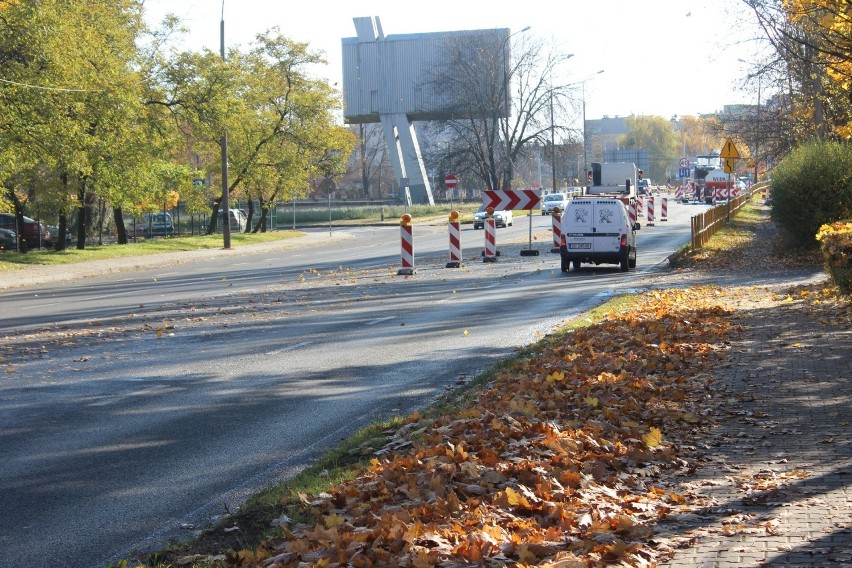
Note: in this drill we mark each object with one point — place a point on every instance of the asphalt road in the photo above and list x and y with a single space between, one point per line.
139 406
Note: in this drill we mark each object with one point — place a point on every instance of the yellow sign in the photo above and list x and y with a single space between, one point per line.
729 165
729 150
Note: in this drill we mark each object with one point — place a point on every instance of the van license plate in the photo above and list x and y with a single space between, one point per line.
579 245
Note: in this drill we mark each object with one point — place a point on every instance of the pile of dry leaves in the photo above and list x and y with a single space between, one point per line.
558 463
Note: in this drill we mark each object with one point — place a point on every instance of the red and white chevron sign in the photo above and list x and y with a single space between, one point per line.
511 199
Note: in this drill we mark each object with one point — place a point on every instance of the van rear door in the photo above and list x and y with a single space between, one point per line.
608 225
577 226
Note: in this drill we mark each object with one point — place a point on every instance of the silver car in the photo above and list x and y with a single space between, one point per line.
553 200
502 218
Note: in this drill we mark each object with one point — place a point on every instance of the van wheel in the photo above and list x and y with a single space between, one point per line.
577 264
564 265
625 261
631 262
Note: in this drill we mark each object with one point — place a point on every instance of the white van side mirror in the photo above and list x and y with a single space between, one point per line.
636 226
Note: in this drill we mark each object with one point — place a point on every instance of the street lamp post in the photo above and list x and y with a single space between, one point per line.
552 128
506 78
226 200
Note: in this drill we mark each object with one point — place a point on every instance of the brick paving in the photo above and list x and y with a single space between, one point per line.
774 485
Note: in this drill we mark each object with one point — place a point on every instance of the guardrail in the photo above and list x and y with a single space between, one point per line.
707 224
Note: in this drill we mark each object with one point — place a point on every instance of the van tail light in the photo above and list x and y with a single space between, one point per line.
563 242
624 240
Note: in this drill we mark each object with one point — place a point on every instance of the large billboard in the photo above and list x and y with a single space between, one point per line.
411 73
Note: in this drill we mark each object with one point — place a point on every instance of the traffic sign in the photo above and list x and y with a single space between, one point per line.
451 181
684 162
729 150
729 165
683 173
511 199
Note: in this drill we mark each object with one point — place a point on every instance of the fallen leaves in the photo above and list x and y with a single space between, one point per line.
553 466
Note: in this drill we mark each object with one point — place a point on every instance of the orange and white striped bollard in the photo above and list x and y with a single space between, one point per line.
556 219
650 214
407 242
664 209
455 240
490 253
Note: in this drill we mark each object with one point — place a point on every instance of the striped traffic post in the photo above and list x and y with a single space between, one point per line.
664 209
640 206
490 254
455 240
556 218
407 241
650 214
631 211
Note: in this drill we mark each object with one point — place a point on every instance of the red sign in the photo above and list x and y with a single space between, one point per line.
511 199
451 180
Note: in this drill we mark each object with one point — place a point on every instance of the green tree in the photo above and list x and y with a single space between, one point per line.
656 135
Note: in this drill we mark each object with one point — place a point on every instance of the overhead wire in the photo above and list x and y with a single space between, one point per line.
44 88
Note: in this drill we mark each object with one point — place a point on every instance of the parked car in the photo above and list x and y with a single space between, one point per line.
152 225
34 232
8 239
54 234
502 218
238 221
551 200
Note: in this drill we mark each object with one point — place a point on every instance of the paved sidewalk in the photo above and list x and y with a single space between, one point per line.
775 486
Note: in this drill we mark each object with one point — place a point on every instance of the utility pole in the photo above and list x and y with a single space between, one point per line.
226 198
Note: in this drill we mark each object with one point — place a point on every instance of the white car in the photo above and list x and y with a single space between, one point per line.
552 200
502 218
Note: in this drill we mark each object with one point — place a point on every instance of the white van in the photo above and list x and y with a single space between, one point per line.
598 230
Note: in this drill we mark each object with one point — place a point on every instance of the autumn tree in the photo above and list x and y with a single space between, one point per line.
654 134
809 70
75 112
287 125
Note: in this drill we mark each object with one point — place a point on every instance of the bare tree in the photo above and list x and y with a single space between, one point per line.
501 105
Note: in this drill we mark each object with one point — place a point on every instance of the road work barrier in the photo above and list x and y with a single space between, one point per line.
556 217
650 214
664 209
455 240
490 254
407 241
631 211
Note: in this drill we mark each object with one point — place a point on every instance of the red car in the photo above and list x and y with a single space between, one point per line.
32 229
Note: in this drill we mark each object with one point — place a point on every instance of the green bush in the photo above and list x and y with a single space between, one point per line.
836 244
812 186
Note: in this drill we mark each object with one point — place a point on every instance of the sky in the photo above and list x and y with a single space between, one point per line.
659 57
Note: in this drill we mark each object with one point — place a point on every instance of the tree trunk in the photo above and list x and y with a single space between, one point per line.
81 215
214 216
59 245
118 217
19 220
249 215
261 223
